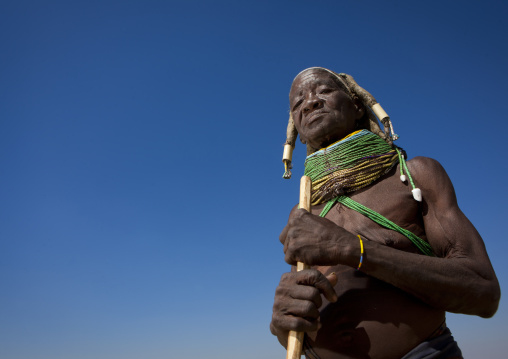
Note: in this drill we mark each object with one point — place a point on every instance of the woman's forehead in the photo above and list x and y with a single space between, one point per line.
313 77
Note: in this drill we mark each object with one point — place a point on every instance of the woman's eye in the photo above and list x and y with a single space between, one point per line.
298 103
324 91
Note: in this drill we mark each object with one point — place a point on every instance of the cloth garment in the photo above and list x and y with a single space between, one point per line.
441 345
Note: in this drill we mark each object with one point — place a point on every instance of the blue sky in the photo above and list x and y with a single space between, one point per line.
140 155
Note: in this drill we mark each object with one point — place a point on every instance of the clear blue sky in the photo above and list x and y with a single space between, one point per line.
140 159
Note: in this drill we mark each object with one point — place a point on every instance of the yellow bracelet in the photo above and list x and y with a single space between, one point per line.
361 257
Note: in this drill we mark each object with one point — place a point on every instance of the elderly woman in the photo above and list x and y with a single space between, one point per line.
389 249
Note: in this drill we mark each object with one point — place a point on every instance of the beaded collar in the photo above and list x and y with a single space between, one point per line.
347 165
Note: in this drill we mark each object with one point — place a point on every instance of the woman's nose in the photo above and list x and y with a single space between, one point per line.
313 102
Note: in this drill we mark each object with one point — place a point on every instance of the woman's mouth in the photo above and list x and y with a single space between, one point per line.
314 116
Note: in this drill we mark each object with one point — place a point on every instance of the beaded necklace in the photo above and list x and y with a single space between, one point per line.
352 163
348 165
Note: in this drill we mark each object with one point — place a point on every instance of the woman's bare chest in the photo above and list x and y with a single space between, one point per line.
394 202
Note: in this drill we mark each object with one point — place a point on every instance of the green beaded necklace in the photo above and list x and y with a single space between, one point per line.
353 163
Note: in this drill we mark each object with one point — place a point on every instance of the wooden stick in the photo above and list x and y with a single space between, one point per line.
295 339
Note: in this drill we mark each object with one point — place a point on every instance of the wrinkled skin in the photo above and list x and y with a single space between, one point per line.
399 297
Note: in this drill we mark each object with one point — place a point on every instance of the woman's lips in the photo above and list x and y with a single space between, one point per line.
315 116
